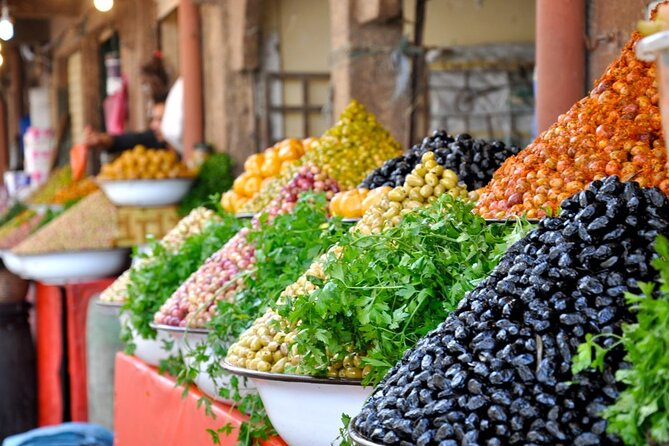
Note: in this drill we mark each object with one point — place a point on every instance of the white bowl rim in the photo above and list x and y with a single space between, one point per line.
245 214
144 180
173 329
102 303
118 250
357 437
269 376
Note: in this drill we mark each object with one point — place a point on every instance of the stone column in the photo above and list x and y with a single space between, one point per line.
364 34
190 59
560 58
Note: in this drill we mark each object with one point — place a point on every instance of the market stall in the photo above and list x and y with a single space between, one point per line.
343 289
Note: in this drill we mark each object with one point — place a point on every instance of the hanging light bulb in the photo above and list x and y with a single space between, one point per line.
6 25
103 5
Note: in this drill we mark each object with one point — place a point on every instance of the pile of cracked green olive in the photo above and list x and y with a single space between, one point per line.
426 182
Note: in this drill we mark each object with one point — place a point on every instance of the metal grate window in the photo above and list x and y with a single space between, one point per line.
296 105
477 91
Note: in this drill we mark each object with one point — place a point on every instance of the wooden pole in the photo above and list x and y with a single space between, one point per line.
560 46
190 61
417 93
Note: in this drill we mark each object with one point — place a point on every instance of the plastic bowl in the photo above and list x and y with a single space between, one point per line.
73 266
146 193
188 339
306 411
151 351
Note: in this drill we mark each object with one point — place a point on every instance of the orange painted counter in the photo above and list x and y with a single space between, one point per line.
149 410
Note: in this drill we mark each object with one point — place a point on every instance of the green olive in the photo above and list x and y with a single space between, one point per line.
420 170
353 372
431 179
426 191
279 366
415 195
429 164
263 366
397 194
414 180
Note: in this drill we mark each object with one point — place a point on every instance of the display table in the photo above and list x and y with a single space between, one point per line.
150 409
61 350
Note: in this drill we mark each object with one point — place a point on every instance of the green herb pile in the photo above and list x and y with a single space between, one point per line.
152 283
640 415
215 176
12 212
386 291
284 249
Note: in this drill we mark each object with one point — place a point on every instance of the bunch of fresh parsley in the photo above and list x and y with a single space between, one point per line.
640 415
284 249
154 281
385 291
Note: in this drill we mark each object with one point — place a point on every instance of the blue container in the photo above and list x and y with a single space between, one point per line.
68 434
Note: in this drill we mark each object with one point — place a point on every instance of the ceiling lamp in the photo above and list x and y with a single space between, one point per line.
6 25
103 5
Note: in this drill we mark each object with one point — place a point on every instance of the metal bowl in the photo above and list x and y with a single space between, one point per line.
109 307
146 193
356 438
73 266
304 410
189 339
533 221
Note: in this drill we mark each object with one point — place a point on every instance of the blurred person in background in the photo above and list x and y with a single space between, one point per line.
156 82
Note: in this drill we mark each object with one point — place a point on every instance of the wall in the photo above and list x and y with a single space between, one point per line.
470 22
610 24
302 28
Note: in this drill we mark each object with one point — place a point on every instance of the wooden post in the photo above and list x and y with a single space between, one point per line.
190 60
4 140
560 58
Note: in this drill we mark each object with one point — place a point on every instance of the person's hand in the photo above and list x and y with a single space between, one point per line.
93 140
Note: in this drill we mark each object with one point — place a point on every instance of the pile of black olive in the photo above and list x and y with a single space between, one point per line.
474 160
497 371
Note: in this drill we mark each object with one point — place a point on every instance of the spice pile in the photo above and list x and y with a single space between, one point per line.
193 223
59 179
498 370
616 130
89 224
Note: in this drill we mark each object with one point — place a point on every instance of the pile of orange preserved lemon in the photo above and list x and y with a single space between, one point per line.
261 168
142 163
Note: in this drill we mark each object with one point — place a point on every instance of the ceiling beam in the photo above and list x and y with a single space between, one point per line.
44 8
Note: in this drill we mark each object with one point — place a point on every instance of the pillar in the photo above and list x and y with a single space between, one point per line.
364 34
190 61
560 66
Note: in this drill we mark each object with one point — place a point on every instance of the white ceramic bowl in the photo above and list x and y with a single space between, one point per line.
74 266
306 411
188 340
146 193
13 263
151 351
